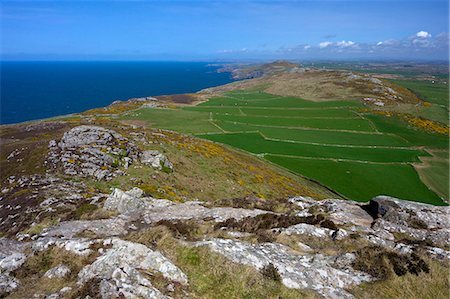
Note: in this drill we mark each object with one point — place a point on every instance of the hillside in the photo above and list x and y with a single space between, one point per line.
226 193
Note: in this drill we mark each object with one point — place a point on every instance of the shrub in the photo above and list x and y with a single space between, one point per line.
269 271
382 264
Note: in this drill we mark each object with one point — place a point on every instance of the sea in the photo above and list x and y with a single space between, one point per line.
31 90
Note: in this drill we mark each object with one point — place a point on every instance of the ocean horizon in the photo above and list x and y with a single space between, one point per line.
32 90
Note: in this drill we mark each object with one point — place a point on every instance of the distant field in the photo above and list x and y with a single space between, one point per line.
399 180
360 155
437 93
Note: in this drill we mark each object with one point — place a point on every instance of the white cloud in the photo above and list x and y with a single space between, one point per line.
423 34
379 43
323 45
306 47
345 44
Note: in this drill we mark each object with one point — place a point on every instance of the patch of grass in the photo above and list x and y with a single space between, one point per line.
363 181
268 221
383 264
175 119
83 210
39 227
316 136
255 143
434 171
436 92
415 136
31 273
271 272
351 124
432 285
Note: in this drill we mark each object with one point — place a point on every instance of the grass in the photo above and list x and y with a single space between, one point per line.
434 172
176 120
351 124
316 136
300 112
415 136
437 93
362 181
433 285
209 172
255 100
31 273
255 143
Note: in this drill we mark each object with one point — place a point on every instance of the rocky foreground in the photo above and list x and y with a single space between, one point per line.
327 246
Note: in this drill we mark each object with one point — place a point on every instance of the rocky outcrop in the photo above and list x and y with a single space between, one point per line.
327 275
156 160
91 151
151 210
28 200
121 270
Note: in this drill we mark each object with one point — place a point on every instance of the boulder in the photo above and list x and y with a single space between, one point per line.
126 202
156 160
7 284
119 270
59 271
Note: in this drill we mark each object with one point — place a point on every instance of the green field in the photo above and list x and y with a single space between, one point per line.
357 154
437 93
399 180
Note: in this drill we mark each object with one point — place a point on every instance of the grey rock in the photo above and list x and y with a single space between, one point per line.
79 246
327 275
313 231
126 202
101 228
7 284
151 210
12 262
59 271
92 151
119 270
156 160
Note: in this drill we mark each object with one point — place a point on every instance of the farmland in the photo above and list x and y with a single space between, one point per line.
340 144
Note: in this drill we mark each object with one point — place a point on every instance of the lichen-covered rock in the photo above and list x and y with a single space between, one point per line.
91 151
327 275
119 268
12 257
7 284
156 160
59 271
115 226
12 262
79 246
339 211
314 231
151 210
417 221
31 199
126 202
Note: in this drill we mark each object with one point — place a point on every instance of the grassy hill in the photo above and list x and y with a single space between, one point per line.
354 148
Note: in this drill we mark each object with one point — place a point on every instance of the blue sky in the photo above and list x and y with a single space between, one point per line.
205 30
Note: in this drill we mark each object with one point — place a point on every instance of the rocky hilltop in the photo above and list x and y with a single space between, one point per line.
66 236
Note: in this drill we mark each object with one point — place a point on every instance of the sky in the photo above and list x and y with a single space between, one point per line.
224 30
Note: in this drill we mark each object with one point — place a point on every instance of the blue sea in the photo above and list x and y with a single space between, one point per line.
36 90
